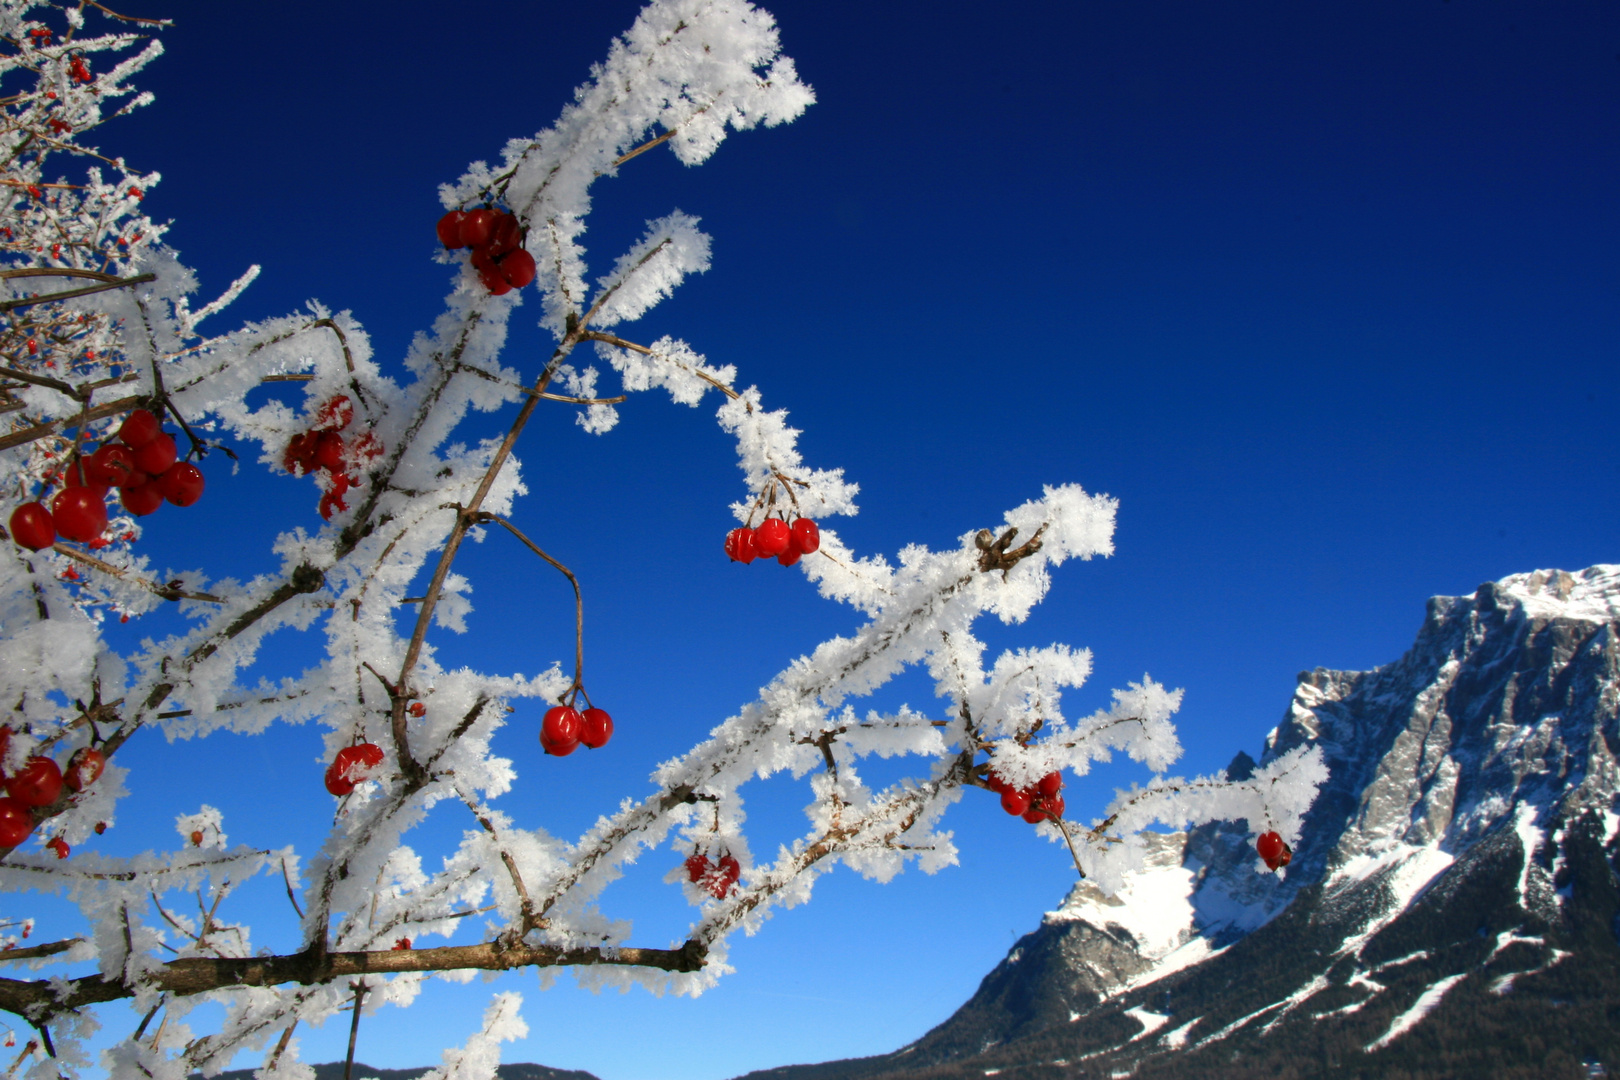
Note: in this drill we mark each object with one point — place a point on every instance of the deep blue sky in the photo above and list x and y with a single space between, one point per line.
1325 294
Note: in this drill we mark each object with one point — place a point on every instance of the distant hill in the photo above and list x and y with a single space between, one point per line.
1452 909
334 1071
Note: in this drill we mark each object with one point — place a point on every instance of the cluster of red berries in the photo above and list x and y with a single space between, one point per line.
351 766
718 879
324 449
142 465
774 539
1273 850
1043 802
39 783
496 240
565 729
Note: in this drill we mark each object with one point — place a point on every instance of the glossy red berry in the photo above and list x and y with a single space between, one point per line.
596 728
806 536
335 414
449 229
560 730
112 465
477 227
181 483
1015 802
417 709
517 267
505 236
32 526
139 428
1051 806
80 513
84 768
155 457
1285 857
772 537
142 500
101 827
740 545
196 838
299 457
696 867
352 765
994 782
15 822
1050 785
60 846
494 280
37 783
330 451
791 554
727 871
1269 846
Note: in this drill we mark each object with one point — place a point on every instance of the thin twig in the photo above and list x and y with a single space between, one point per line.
167 592
11 305
579 602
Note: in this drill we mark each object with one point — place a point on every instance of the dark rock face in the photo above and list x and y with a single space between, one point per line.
1452 909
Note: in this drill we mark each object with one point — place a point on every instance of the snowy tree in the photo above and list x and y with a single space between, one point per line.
112 395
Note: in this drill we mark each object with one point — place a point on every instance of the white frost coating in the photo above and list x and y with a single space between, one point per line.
1420 1008
1150 1021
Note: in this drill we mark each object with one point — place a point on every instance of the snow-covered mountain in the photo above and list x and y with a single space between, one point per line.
1452 909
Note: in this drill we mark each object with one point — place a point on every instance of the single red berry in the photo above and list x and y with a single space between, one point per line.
37 783
84 767
33 347
113 465
596 728
32 526
15 822
101 827
791 555
1015 802
332 497
336 414
494 280
196 838
1269 846
449 229
560 729
517 267
402 944
696 867
181 483
807 536
772 537
139 428
477 226
156 456
329 451
60 846
417 709
352 765
505 236
740 545
1053 805
994 782
1050 784
299 457
142 499
1285 857
727 872
80 513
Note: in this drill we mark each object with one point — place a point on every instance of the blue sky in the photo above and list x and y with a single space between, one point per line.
1325 295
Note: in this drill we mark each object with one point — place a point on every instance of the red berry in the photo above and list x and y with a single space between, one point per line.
155 457
299 457
560 730
696 867
1286 856
740 545
494 280
1269 845
181 483
112 465
505 236
80 513
329 451
1050 785
196 838
15 822
791 555
596 728
351 766
37 783
336 414
806 536
1015 802
1053 805
332 497
450 229
60 846
142 500
517 267
727 873
84 767
101 827
417 709
994 782
139 428
401 944
477 226
772 537
32 526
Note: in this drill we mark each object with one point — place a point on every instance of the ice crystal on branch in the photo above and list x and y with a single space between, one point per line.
102 344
